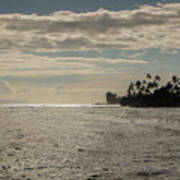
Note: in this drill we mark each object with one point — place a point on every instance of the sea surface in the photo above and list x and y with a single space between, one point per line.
125 114
88 142
56 105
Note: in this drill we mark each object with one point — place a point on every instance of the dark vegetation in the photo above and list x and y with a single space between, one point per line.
112 98
149 93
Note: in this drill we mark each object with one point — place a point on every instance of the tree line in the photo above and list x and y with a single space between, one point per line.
149 92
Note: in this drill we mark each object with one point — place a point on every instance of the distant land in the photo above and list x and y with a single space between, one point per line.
149 93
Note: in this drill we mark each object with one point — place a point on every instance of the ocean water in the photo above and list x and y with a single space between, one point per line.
77 141
114 111
55 105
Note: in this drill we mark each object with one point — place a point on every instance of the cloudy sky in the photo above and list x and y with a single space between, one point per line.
74 51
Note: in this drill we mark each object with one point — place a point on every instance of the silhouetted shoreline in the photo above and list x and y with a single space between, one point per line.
148 93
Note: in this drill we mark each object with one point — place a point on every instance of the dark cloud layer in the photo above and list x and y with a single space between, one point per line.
146 27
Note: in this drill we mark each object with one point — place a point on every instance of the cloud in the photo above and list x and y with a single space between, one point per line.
10 101
103 60
24 65
5 87
59 88
132 55
145 27
23 90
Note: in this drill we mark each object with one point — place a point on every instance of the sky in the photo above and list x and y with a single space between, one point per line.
74 51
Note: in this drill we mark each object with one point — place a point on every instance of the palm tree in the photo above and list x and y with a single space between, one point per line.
157 78
130 90
138 86
175 79
149 87
175 82
143 89
155 84
178 80
156 81
169 86
147 90
148 76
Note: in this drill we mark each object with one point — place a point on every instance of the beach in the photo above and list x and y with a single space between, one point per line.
88 143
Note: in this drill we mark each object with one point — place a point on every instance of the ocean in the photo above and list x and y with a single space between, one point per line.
53 141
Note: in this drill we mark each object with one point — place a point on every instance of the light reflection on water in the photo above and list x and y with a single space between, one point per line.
103 112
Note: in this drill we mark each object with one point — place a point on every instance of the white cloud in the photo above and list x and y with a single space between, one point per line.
5 87
102 60
146 27
132 55
24 65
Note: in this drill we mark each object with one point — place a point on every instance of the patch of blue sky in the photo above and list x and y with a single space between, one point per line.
46 80
49 6
85 54
113 54
166 56
151 54
161 61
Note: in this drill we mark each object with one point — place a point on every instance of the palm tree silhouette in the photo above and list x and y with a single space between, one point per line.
157 78
149 87
138 87
175 79
149 93
148 76
156 81
130 90
175 84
